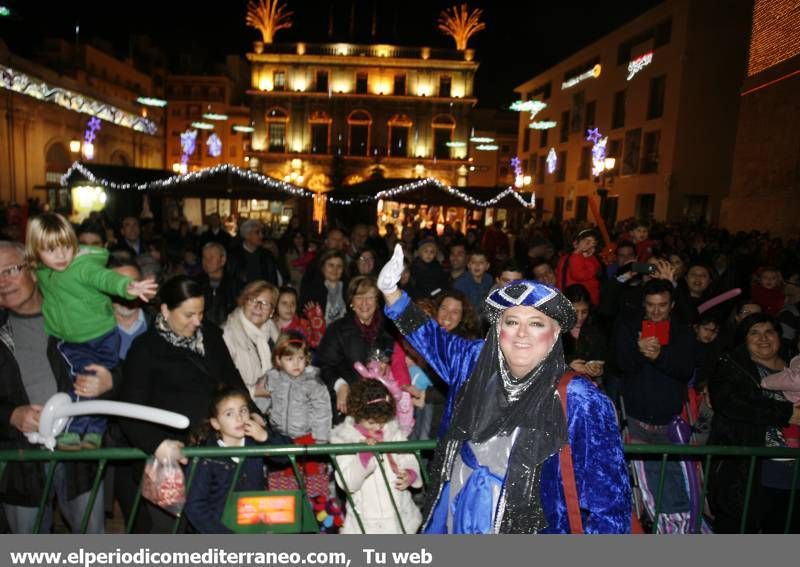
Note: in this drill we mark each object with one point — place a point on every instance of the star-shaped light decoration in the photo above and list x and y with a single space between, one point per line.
593 135
94 123
552 160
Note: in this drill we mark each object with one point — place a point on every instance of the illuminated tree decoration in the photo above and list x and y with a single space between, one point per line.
188 142
461 24
552 160
268 16
214 145
593 135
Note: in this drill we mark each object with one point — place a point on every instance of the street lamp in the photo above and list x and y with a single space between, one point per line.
602 192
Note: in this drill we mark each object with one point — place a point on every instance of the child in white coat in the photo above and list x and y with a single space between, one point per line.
371 419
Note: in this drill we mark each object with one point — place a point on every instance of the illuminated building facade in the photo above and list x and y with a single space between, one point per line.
333 114
666 96
766 177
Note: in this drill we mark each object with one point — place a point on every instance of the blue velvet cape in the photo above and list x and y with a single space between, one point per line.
601 476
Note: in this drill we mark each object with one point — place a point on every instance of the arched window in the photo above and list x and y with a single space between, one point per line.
277 120
443 126
118 157
320 125
359 126
399 133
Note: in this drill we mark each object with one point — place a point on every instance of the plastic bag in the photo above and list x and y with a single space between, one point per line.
163 485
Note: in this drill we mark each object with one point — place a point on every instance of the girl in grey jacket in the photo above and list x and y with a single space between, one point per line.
300 404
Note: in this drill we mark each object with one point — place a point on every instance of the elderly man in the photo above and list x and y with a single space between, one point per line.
251 261
32 372
219 287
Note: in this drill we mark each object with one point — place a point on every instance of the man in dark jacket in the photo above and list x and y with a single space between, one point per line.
249 261
219 287
655 375
32 371
656 371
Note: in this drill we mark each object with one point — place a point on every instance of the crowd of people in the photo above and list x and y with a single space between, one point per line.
506 349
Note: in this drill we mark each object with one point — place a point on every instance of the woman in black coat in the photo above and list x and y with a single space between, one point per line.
745 414
177 365
354 338
585 346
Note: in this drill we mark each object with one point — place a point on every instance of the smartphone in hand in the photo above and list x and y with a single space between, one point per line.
659 330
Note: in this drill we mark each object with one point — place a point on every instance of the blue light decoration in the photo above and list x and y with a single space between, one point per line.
552 160
598 151
91 129
188 143
214 145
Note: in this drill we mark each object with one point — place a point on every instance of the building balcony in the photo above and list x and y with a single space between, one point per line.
380 51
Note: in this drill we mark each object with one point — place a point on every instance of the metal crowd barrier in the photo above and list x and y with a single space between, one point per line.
704 454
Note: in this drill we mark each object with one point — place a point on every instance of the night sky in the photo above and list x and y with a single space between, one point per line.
521 38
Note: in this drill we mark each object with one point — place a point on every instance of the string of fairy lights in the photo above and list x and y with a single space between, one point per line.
416 185
183 179
272 183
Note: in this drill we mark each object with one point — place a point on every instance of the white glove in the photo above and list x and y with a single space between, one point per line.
391 272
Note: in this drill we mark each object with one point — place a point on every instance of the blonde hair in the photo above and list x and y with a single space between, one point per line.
289 344
46 232
256 288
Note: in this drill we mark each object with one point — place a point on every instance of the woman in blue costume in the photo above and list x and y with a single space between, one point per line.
496 469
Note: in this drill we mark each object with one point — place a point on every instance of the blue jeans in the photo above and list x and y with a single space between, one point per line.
103 351
22 519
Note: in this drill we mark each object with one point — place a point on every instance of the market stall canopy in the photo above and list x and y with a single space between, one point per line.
427 191
221 181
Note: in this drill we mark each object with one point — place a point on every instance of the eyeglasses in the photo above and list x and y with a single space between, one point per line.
260 303
365 298
366 259
12 271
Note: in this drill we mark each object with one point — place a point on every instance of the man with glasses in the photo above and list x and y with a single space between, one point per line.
32 371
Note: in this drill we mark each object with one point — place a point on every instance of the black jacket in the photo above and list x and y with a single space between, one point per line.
742 413
342 345
590 344
654 390
22 483
221 301
164 376
267 267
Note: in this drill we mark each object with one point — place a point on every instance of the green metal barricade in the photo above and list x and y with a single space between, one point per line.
704 454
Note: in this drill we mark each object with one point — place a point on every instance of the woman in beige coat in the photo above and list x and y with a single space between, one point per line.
247 337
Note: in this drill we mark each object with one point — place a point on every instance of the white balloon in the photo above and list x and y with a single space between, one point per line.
59 408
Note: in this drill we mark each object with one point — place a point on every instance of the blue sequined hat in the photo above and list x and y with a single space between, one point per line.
531 293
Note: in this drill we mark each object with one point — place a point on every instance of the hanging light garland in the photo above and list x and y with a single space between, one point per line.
192 177
388 194
21 83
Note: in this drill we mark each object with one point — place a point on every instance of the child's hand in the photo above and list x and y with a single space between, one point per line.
260 390
255 430
370 441
144 289
404 480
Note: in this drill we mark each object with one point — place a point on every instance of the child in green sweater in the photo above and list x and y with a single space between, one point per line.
74 282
